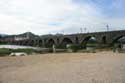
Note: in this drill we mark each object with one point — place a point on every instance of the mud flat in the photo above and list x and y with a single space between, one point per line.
101 67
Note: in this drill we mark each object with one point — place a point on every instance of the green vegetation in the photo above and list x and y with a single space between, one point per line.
92 45
1 42
27 50
74 47
6 51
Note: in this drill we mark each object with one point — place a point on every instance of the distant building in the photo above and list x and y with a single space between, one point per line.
11 38
22 37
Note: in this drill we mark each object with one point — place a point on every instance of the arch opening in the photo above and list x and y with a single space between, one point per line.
120 39
119 42
40 43
77 40
50 43
57 40
26 42
89 41
31 43
20 42
104 40
65 42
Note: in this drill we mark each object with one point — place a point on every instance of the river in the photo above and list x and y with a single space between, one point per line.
17 47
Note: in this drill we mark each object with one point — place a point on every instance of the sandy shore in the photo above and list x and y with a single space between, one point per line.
103 67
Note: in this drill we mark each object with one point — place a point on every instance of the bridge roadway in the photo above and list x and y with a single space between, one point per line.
106 38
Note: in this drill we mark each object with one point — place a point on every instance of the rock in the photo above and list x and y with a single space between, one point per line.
18 54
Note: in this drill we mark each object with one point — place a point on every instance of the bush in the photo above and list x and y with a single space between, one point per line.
1 42
4 51
73 47
92 45
26 50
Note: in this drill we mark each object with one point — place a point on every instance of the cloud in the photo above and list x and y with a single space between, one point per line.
51 16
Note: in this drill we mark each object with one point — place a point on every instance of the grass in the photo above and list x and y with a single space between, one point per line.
6 51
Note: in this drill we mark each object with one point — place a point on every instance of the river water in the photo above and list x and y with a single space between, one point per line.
17 47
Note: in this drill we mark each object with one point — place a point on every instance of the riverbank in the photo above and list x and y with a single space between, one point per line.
6 50
101 67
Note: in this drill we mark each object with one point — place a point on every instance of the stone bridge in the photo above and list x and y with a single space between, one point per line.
106 38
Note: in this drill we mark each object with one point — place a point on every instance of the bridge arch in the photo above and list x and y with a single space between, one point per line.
76 40
117 39
66 41
31 42
104 40
20 42
25 42
40 43
88 40
58 40
50 43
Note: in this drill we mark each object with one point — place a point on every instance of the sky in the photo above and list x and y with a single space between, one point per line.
61 16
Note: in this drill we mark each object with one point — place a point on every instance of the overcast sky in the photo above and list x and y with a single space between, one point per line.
60 16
